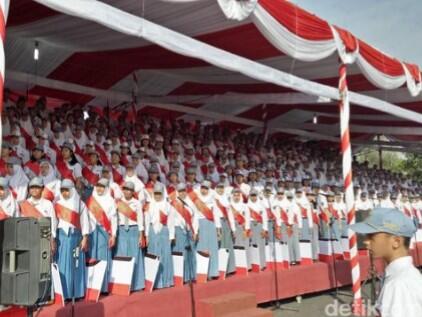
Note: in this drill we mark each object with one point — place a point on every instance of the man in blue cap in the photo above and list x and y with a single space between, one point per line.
388 232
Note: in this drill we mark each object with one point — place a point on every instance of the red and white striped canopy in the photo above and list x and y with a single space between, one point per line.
274 33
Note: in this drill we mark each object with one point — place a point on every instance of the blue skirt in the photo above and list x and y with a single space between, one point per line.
259 241
227 243
335 230
159 245
184 244
208 242
72 277
306 232
98 250
128 245
344 228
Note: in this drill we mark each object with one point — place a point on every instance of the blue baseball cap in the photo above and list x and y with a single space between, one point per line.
386 220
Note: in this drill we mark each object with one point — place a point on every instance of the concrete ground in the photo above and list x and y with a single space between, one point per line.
326 304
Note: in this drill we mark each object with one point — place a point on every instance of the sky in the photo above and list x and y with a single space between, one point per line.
392 26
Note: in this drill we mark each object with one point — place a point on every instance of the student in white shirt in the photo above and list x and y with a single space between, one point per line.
388 232
73 229
131 231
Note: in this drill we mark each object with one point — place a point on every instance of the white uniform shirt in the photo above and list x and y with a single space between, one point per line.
136 206
45 207
242 209
223 201
179 221
259 208
209 201
152 217
75 204
401 294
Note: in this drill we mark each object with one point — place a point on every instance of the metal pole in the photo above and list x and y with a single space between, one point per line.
379 152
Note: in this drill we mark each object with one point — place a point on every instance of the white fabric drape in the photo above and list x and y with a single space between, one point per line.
237 10
136 26
289 43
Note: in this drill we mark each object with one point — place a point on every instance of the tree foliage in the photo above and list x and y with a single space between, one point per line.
409 164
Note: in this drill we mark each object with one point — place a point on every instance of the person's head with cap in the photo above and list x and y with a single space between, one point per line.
240 177
36 186
130 169
158 192
4 187
253 195
190 175
67 150
106 172
12 165
128 190
173 176
236 195
220 188
289 195
115 157
153 172
101 185
6 148
205 187
37 152
181 190
330 196
66 187
388 232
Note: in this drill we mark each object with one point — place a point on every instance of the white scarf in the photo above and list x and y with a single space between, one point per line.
8 204
18 178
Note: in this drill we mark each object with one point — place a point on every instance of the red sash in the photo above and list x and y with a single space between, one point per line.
64 171
315 218
28 139
163 218
47 194
270 214
99 213
284 216
178 205
56 149
124 160
125 210
223 209
90 176
407 212
78 150
238 216
34 167
103 155
27 210
303 211
150 188
68 215
201 206
204 169
3 215
333 211
171 191
117 177
2 167
256 216
324 217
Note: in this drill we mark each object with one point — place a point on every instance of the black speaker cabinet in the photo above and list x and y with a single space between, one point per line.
25 259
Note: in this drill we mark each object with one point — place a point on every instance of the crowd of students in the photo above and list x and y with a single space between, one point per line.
148 185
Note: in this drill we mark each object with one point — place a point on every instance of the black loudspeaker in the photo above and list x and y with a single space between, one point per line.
361 215
25 258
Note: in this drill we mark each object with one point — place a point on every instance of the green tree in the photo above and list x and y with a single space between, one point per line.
412 166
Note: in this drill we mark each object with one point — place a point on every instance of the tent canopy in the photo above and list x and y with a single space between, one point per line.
82 52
